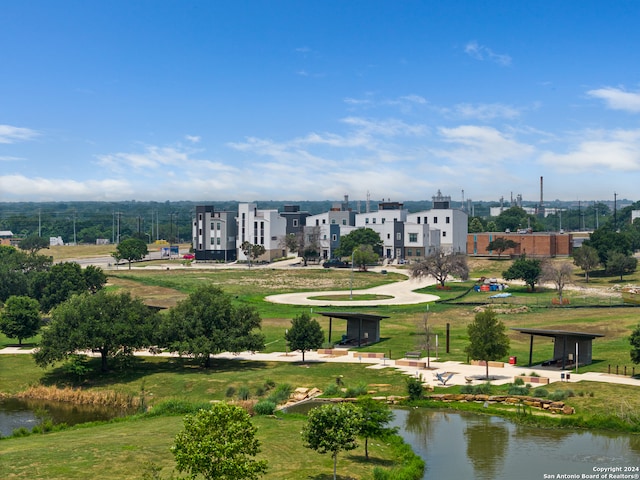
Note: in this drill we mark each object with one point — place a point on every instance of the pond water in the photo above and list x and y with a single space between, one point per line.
460 446
16 413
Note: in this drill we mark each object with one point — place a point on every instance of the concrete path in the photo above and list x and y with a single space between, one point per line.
401 293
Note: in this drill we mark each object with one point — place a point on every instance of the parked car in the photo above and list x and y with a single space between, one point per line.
334 262
189 256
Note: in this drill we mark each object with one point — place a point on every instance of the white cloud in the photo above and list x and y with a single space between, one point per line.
480 52
11 134
618 99
486 111
28 188
153 157
193 138
597 150
481 145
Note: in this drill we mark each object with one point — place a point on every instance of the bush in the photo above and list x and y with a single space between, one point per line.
244 393
467 389
269 384
280 394
541 392
558 395
414 388
332 390
260 391
484 388
357 391
264 407
176 407
231 390
518 390
518 381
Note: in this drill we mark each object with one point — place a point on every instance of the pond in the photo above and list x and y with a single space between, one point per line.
458 445
16 413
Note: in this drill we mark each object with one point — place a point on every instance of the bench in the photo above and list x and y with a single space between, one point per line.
411 363
413 355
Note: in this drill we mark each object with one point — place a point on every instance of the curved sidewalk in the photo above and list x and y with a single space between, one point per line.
401 293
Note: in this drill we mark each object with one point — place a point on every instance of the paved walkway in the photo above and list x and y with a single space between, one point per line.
401 293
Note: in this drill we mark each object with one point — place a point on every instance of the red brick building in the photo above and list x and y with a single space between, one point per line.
531 244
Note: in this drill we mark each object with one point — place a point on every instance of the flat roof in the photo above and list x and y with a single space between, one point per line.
349 315
557 333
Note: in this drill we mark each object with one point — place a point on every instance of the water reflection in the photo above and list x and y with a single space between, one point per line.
16 413
497 449
487 444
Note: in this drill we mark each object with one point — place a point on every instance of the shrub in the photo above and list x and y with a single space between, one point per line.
244 393
280 394
541 392
20 432
357 391
176 407
467 389
558 395
260 391
269 384
484 388
414 388
518 381
231 390
332 390
518 390
264 407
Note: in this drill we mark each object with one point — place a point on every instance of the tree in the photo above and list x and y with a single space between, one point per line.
33 243
620 264
487 338
251 251
131 250
310 243
291 243
207 323
634 339
607 241
501 244
304 334
475 225
94 278
363 256
219 444
560 275
18 269
440 265
356 238
587 259
331 429
20 318
109 323
526 270
62 281
375 417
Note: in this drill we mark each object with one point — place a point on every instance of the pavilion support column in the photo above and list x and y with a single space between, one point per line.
531 351
359 331
564 351
330 321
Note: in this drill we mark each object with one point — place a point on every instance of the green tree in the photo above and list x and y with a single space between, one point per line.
310 244
207 323
620 264
33 243
475 225
607 241
131 250
252 251
58 284
94 278
440 265
20 318
375 418
487 338
109 323
219 444
526 270
304 334
559 274
515 218
356 238
587 259
634 340
332 429
501 244
363 256
18 269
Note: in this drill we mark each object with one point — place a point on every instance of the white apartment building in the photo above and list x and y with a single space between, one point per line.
331 226
214 235
388 221
261 227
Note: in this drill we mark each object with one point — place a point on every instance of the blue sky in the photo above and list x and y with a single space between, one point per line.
294 100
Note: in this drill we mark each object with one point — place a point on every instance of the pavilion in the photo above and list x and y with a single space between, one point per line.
361 327
569 347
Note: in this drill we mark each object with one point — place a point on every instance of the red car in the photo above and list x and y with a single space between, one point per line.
189 256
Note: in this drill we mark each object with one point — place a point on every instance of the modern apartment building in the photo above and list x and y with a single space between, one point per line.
214 235
261 227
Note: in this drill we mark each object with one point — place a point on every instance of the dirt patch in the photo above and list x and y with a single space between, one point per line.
502 310
152 295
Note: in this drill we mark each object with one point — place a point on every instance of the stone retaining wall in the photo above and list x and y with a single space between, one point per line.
542 403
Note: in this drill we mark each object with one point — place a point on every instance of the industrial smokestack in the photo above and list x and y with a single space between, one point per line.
541 209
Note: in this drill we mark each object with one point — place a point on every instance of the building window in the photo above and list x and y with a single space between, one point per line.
418 252
334 237
388 236
324 221
444 234
447 220
366 221
218 240
333 221
409 252
413 237
399 236
426 220
383 220
418 220
435 219
199 231
317 222
344 221
218 226
295 222
374 220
